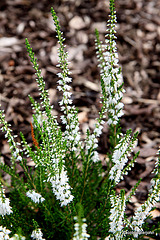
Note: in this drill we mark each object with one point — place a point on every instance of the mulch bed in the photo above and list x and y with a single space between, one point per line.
138 39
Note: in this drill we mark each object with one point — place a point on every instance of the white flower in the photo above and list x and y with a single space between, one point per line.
4 233
120 157
5 207
109 121
95 157
110 74
117 213
80 230
98 130
143 211
19 158
36 197
61 187
37 234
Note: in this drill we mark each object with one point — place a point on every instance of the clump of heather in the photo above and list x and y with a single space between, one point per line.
68 195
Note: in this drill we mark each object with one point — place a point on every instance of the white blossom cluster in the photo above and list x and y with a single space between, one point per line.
110 74
92 144
36 197
52 153
5 208
142 212
92 141
69 119
120 157
4 233
118 205
37 234
80 230
60 181
61 187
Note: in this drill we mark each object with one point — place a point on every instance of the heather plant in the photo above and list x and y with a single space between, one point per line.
68 195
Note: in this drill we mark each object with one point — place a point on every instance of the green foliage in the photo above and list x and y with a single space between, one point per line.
68 194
